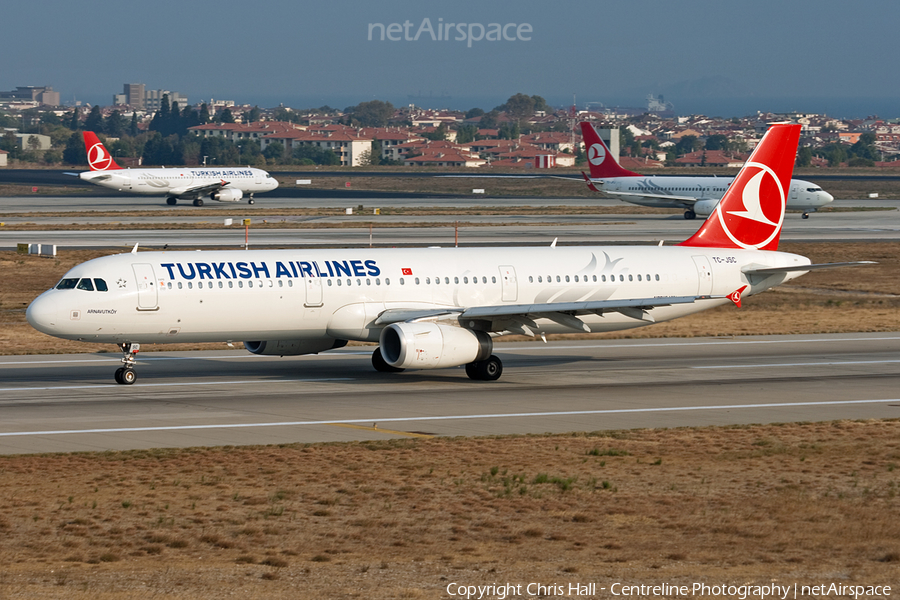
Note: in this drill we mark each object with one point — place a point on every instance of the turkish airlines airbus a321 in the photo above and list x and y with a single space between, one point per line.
225 184
695 194
430 308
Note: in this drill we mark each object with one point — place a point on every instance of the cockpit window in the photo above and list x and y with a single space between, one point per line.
86 285
101 285
67 284
813 189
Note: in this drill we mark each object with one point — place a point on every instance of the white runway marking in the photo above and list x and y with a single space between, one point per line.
179 384
445 417
811 364
721 342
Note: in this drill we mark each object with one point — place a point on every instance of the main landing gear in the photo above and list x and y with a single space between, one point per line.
488 369
690 215
125 375
805 215
198 202
171 200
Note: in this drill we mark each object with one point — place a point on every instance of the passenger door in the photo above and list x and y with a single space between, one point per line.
146 284
509 286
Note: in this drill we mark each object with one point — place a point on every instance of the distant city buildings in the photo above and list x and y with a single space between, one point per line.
138 97
39 95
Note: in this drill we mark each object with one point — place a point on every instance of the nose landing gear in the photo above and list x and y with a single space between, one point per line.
125 374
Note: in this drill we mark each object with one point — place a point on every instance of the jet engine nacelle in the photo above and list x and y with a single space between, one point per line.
294 347
705 207
227 195
432 346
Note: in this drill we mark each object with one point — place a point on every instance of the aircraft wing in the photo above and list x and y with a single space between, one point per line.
199 190
519 318
686 199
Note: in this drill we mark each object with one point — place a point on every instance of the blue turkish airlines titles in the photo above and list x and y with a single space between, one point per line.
289 269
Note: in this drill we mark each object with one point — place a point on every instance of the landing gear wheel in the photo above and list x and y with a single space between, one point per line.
171 201
251 201
805 215
198 202
381 365
125 374
690 215
489 369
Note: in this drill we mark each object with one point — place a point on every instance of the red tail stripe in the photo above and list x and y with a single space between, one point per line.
601 164
99 158
751 212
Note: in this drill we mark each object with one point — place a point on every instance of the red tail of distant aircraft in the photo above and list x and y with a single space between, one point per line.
98 156
601 163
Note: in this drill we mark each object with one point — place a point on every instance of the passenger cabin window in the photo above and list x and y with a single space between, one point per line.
86 285
67 284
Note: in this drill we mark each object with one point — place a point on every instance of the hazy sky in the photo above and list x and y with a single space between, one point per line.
770 54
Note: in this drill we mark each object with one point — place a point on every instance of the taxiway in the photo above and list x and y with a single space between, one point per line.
62 403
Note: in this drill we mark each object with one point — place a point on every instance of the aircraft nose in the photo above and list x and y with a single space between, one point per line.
826 198
42 314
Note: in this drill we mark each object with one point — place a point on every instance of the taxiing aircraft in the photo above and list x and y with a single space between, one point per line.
225 184
698 195
436 307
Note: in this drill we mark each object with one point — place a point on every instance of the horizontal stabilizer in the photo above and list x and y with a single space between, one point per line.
792 269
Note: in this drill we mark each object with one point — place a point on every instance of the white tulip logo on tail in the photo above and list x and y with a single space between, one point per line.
768 225
99 158
596 154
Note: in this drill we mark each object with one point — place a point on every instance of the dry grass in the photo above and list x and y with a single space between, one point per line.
403 518
827 301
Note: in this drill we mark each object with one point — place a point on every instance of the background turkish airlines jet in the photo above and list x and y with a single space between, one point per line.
436 307
697 195
226 184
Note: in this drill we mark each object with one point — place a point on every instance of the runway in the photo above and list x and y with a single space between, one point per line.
440 231
337 200
62 403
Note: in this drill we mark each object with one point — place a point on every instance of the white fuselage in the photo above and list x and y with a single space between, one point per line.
182 182
164 297
707 191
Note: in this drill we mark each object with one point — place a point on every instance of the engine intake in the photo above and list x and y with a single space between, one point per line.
294 347
227 195
432 346
704 208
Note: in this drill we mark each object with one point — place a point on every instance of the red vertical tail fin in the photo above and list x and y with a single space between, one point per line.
98 156
751 212
601 164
